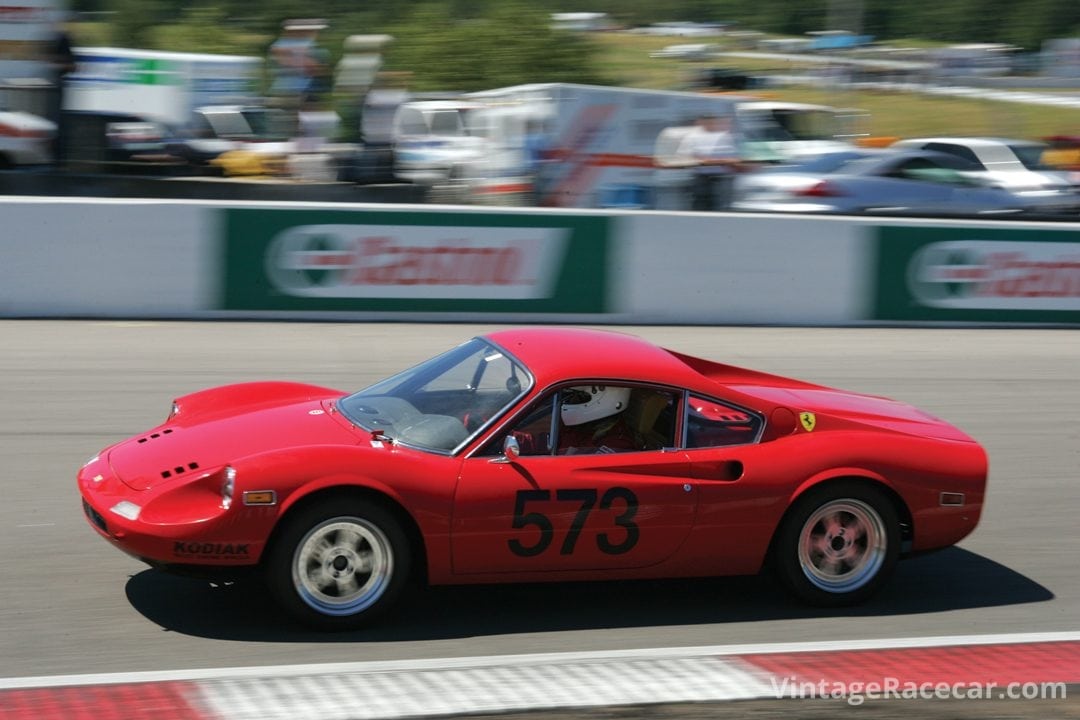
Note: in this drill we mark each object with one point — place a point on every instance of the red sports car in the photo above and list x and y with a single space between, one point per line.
537 454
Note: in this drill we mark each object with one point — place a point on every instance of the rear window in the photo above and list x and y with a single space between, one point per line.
1030 155
710 423
957 150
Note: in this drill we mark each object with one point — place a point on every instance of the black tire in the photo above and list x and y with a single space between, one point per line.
838 545
338 565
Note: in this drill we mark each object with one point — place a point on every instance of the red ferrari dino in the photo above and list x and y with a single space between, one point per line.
537 454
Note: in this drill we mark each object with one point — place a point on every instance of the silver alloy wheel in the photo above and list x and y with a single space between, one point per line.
842 545
343 566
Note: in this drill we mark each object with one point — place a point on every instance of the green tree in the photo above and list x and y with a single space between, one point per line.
466 31
204 30
513 44
132 20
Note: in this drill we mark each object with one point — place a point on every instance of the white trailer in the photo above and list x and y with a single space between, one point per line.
163 87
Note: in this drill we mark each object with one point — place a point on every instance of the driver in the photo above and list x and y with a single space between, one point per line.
593 420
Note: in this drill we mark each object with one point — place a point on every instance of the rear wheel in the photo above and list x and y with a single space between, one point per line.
339 565
838 545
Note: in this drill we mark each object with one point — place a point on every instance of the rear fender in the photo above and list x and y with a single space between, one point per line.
856 474
840 473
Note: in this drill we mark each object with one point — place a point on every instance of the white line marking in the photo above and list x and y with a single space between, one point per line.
361 696
34 525
488 661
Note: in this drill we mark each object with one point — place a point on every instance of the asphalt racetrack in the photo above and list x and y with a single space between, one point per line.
70 603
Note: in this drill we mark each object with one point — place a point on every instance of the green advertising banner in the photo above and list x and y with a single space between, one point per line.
414 261
956 274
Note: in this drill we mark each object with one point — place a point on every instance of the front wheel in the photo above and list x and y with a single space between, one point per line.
838 545
338 566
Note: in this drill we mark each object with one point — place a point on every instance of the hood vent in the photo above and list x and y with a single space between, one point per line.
154 436
179 469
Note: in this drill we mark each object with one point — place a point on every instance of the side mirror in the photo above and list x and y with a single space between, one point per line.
511 450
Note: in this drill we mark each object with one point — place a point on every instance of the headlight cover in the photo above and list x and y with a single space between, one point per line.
228 486
127 509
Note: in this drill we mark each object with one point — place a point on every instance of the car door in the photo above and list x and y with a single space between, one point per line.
914 184
553 509
742 485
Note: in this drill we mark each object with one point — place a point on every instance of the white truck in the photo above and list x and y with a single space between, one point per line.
772 131
598 142
163 87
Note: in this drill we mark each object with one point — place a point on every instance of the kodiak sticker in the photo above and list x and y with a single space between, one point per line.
211 550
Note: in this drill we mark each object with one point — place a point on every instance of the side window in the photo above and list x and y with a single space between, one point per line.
532 431
614 418
586 419
713 424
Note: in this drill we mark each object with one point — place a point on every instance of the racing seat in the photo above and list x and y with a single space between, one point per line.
643 415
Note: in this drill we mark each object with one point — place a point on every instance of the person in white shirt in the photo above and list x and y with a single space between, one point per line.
711 145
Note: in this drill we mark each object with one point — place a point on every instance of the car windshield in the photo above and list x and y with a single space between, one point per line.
439 404
867 166
228 123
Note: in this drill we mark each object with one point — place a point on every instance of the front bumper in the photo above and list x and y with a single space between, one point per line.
180 524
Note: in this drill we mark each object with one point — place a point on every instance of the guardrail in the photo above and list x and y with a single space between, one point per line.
184 259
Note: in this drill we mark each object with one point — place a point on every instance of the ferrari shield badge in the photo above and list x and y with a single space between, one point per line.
808 421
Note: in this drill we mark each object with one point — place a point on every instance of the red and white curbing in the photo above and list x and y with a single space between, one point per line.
410 688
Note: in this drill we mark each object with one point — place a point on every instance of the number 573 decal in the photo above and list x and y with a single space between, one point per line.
586 499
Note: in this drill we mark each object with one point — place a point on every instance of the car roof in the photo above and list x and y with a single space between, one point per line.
778 105
947 160
556 354
427 105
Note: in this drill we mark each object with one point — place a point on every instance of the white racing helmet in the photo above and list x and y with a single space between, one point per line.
585 403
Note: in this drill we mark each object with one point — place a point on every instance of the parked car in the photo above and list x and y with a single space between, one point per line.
899 182
25 139
778 182
1015 165
536 455
1063 153
109 141
217 129
694 51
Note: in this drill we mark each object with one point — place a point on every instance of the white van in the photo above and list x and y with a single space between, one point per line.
783 131
432 142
